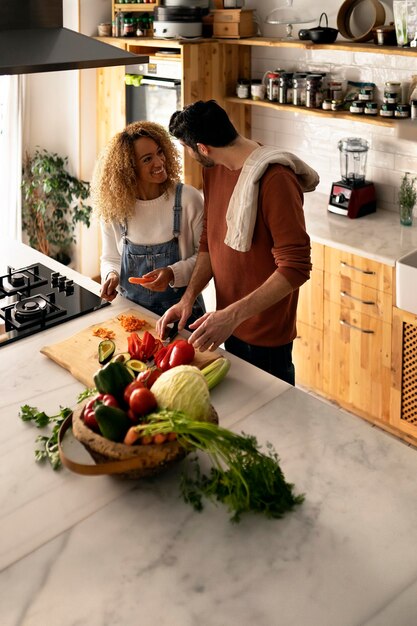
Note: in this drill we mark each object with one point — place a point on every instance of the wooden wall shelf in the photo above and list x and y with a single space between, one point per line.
340 115
345 46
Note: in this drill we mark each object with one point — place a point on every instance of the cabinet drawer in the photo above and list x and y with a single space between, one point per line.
358 269
357 361
357 297
221 29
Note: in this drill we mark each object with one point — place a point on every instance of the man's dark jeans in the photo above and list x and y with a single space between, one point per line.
276 361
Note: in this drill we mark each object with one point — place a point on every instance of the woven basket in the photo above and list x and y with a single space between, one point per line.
148 460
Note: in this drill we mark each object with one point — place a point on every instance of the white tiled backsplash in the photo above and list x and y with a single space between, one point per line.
314 139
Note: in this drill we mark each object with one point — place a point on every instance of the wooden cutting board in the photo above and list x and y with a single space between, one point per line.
79 353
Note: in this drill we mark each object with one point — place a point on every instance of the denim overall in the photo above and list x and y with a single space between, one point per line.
139 259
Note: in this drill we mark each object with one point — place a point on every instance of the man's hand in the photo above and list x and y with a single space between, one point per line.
180 311
211 330
109 287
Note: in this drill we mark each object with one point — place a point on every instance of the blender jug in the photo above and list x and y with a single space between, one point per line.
353 155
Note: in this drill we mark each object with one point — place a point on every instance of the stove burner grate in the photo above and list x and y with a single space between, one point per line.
30 312
21 280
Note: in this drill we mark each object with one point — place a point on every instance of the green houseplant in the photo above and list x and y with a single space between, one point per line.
407 197
53 202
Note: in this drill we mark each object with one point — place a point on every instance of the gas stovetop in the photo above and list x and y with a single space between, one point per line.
35 298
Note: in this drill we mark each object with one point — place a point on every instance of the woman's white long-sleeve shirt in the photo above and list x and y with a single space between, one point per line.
152 223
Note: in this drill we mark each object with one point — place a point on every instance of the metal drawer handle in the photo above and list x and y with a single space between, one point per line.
361 330
347 295
357 269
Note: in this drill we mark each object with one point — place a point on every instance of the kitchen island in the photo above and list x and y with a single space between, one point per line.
108 552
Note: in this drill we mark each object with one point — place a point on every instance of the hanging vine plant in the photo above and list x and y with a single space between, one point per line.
53 203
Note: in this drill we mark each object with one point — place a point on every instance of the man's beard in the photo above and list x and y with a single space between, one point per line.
203 160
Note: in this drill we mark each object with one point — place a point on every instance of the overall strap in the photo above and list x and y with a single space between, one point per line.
177 211
123 228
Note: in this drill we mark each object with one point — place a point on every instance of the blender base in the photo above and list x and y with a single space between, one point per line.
352 200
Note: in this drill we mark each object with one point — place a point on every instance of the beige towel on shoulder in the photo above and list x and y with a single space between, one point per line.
243 204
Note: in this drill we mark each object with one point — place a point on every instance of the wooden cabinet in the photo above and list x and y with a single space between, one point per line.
357 333
404 374
308 346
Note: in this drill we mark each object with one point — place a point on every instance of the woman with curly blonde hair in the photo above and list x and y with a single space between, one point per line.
150 222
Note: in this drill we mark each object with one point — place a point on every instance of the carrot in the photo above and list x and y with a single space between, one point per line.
104 333
146 440
139 280
131 436
171 436
159 438
131 323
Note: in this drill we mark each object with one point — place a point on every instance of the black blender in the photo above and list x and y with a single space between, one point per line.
352 196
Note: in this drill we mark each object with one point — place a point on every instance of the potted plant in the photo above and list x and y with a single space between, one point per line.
407 197
52 204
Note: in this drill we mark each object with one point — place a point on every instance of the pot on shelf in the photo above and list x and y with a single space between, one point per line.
320 34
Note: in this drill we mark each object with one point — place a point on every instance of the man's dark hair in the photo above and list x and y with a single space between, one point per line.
203 122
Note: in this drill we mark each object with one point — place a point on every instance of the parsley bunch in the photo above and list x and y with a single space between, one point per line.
242 476
48 450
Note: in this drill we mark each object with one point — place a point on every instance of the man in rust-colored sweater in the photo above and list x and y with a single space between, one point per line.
256 289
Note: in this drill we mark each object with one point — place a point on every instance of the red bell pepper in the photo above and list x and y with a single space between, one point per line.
182 353
158 356
148 346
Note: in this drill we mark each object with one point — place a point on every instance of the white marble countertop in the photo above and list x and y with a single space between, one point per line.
378 236
106 552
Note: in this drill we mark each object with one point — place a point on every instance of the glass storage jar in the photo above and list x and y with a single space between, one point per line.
314 96
299 89
285 88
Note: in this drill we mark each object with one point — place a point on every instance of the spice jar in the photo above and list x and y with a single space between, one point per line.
366 94
299 89
242 88
402 110
392 92
271 80
335 90
257 89
357 107
337 105
414 109
387 109
285 88
371 108
327 104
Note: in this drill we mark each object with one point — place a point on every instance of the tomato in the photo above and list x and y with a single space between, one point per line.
142 401
182 353
109 400
149 376
135 384
90 419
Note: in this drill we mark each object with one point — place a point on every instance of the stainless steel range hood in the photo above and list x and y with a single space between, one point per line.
33 39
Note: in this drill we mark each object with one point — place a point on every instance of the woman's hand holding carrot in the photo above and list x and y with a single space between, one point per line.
157 280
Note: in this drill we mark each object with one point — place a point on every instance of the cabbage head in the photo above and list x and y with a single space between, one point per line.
183 388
